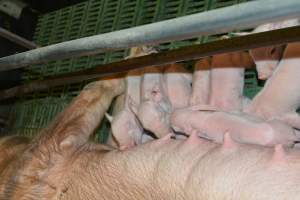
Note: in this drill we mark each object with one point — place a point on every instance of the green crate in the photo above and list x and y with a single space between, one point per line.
34 111
30 116
251 86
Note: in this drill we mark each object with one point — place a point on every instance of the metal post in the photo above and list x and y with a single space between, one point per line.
245 15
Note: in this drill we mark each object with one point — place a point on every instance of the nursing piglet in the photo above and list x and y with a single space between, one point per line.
227 81
201 86
280 97
125 126
178 85
244 128
267 58
155 108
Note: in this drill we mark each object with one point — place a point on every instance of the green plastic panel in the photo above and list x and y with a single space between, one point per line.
92 17
30 116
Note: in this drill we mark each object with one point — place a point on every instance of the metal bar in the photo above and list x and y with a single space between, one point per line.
245 15
270 38
17 39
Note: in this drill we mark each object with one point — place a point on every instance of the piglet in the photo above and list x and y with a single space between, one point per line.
280 96
62 163
178 85
267 58
201 86
244 128
155 108
227 81
125 126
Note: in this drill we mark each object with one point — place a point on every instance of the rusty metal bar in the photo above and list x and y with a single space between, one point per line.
270 38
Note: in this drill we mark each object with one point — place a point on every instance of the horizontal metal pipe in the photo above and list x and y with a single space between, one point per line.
270 38
245 15
17 39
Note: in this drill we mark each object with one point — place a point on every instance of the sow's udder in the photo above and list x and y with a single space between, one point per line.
199 169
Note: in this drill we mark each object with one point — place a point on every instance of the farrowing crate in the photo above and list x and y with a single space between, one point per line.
34 111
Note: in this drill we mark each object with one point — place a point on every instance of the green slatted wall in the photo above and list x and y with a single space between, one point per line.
34 111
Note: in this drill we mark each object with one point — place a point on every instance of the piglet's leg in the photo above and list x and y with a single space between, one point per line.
279 95
227 75
293 119
201 82
178 85
267 58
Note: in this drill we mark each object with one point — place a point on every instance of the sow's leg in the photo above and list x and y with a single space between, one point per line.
42 171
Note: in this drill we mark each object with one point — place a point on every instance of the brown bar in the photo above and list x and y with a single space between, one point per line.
270 38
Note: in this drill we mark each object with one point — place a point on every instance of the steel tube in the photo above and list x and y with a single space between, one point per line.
245 15
276 37
17 39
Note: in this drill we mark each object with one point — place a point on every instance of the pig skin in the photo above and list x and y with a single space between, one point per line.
227 81
62 164
125 126
243 128
126 129
201 86
267 58
155 108
195 169
163 169
42 170
118 106
10 148
178 85
279 98
202 82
